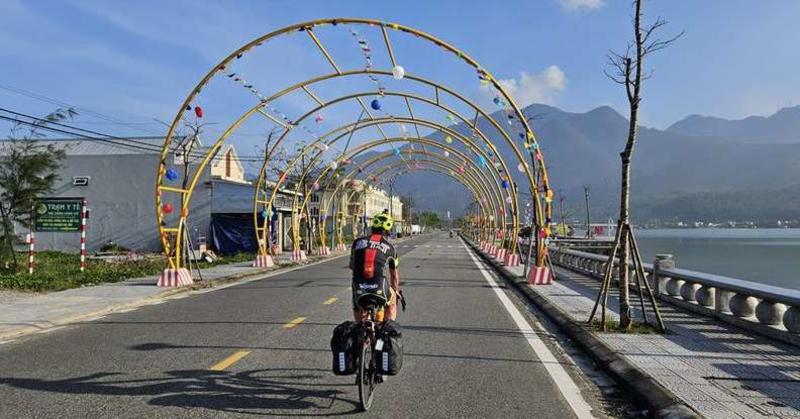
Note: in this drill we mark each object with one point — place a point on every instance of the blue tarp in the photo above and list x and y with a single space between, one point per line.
233 233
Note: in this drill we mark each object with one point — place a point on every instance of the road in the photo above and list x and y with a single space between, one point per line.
262 348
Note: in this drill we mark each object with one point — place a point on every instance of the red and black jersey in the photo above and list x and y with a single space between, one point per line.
369 255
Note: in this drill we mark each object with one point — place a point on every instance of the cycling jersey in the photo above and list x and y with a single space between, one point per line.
369 255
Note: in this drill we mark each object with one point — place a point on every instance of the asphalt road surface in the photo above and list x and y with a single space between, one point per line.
262 348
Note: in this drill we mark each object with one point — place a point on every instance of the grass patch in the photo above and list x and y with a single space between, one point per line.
57 271
612 326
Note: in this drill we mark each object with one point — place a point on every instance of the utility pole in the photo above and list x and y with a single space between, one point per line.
588 216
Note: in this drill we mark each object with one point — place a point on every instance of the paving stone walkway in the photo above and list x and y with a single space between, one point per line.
718 369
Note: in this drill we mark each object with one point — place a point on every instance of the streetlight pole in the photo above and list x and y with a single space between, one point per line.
588 217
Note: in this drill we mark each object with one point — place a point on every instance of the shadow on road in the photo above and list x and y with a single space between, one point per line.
281 392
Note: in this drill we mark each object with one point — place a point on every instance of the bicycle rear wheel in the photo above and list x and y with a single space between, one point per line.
366 376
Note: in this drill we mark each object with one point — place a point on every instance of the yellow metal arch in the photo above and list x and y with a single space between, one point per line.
175 254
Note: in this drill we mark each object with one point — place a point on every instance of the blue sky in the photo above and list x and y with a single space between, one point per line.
137 60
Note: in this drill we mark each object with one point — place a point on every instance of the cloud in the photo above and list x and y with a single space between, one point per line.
577 5
543 87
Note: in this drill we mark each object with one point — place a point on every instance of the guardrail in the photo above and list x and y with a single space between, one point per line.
775 310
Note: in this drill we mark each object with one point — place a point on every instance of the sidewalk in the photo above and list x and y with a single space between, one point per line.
717 369
27 314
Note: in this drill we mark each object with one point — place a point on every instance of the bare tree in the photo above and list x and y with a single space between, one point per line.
627 69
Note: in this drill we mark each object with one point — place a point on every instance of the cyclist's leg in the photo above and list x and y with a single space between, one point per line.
391 307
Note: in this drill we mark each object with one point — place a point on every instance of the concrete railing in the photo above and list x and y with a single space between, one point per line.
747 303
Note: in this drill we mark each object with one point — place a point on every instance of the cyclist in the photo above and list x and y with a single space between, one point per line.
369 256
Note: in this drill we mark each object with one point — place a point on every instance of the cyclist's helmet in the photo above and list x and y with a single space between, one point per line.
382 222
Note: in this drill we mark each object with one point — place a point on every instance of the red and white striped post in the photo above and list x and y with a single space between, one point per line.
31 251
84 216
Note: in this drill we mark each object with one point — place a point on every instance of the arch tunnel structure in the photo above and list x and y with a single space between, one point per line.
456 134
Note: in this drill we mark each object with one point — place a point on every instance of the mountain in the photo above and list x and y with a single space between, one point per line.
781 127
670 168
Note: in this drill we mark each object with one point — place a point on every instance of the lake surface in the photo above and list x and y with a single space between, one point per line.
769 256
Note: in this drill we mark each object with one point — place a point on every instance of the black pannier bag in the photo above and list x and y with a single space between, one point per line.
344 347
390 355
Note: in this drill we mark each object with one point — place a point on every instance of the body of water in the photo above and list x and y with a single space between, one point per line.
769 256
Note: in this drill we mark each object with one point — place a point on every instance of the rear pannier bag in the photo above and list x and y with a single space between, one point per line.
390 354
344 347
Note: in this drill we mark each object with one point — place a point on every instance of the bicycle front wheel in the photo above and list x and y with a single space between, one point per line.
366 377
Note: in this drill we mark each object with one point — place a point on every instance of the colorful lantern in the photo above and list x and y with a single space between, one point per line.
398 72
172 174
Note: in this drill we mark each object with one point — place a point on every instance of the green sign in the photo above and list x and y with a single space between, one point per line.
58 215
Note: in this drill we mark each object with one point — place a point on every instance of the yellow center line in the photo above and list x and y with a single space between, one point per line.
294 323
227 362
330 301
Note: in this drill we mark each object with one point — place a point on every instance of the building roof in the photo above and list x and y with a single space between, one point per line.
110 146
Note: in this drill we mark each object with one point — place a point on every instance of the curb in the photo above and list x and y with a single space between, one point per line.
645 389
46 326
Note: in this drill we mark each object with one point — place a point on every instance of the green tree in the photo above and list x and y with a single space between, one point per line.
430 219
28 171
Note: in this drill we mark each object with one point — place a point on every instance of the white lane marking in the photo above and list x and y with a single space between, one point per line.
563 381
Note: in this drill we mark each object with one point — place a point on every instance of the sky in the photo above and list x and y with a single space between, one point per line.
136 61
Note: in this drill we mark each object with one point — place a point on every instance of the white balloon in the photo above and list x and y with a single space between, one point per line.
508 199
334 165
398 72
323 146
446 153
521 167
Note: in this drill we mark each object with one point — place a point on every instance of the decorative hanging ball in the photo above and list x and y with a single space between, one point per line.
521 136
527 146
324 147
171 174
451 118
315 186
505 184
319 118
167 208
508 199
398 72
482 161
491 218
334 165
198 111
461 169
496 100
188 107
521 167
446 153
396 151
264 214
375 104
484 200
448 140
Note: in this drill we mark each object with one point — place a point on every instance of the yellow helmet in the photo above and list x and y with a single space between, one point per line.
382 221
